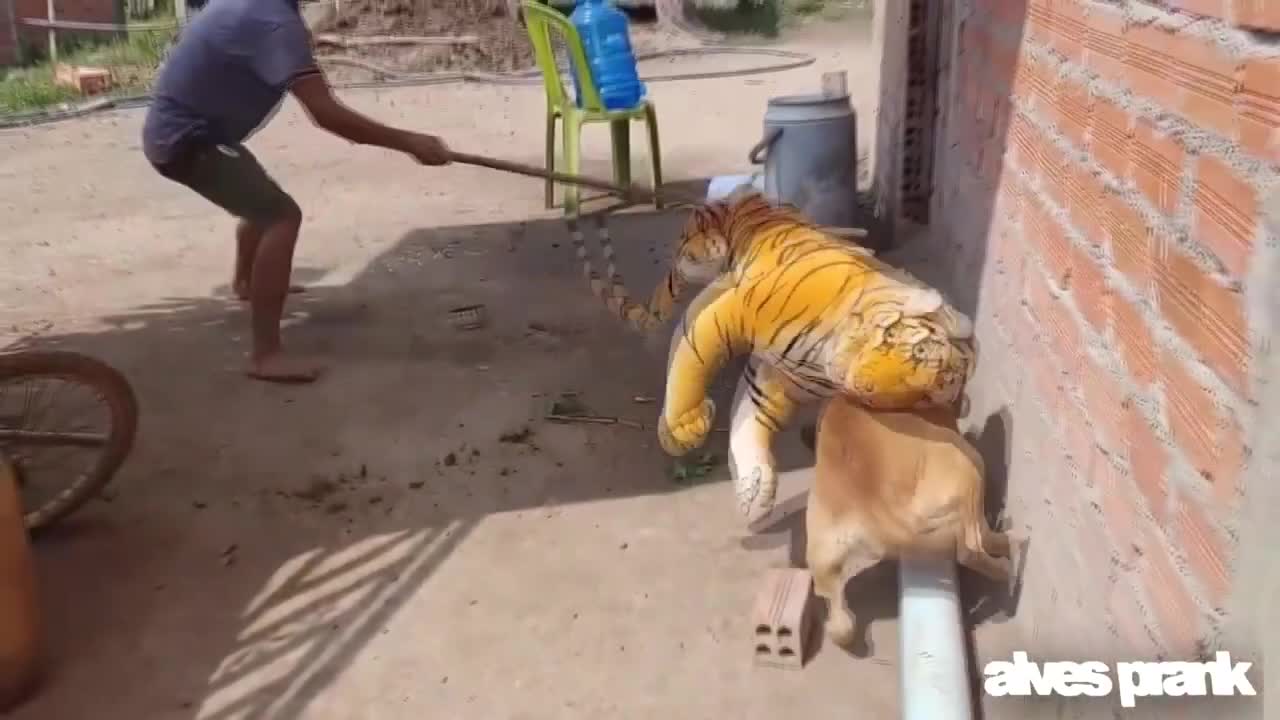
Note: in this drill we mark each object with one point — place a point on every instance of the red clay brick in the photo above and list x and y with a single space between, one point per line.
1258 103
1065 25
1026 331
1089 288
1050 243
1110 136
1083 194
1130 620
1207 315
1134 246
1149 58
1038 27
1157 167
1207 549
1104 43
1148 461
1120 509
1072 108
782 617
1209 437
1038 154
1104 401
1077 441
1034 78
1257 14
1225 210
1206 8
1009 195
1207 75
1062 333
1133 336
1048 383
1178 617
1185 73
1023 139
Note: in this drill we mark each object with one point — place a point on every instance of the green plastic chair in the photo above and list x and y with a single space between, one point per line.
541 21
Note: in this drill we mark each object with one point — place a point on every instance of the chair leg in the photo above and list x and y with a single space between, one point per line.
655 152
551 158
572 160
621 130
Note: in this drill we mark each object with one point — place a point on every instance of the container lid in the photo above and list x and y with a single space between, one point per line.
810 99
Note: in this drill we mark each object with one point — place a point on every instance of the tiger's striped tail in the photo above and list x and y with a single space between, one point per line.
612 290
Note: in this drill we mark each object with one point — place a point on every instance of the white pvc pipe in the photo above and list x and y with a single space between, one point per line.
935 674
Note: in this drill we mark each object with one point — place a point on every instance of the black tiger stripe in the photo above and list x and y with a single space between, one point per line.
764 409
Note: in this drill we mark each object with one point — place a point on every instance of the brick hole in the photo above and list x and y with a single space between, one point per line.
763 630
784 632
786 652
763 650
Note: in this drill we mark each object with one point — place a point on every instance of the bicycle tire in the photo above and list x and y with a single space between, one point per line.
113 388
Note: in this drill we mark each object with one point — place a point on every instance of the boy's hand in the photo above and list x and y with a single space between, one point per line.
428 149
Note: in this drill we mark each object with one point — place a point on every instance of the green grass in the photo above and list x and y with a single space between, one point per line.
806 8
132 60
25 90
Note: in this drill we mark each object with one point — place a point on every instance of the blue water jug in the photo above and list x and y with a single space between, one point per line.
604 30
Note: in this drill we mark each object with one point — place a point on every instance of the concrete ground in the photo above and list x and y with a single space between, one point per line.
408 538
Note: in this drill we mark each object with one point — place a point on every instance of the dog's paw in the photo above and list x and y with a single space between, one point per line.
688 431
839 628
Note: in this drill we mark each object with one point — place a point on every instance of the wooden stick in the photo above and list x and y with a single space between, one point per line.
594 420
634 193
56 24
367 40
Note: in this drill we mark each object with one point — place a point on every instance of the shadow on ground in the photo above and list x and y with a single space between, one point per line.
273 532
262 537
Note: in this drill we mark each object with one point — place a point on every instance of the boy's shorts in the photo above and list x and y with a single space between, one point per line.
230 177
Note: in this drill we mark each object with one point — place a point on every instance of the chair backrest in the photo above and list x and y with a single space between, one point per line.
544 22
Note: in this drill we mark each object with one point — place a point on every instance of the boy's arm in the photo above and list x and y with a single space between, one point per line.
286 61
329 113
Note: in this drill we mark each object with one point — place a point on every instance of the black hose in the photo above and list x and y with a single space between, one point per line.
399 79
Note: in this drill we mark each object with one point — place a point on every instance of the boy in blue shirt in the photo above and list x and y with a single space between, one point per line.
224 78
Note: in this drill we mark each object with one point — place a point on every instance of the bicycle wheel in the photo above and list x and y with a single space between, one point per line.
31 431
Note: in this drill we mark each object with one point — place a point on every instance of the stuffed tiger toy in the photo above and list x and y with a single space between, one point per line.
699 263
816 315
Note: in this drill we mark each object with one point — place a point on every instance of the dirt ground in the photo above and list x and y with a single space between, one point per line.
501 43
408 538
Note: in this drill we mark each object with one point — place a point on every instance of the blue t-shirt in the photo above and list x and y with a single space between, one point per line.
226 75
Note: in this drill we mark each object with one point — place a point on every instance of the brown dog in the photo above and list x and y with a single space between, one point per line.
893 482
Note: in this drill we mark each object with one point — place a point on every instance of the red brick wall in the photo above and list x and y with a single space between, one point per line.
103 11
8 34
1101 169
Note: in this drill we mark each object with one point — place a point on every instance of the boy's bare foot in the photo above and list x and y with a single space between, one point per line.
242 290
282 368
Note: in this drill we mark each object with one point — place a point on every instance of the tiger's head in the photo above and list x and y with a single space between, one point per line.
713 231
914 352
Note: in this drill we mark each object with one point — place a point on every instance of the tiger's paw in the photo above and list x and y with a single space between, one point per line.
689 431
757 494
